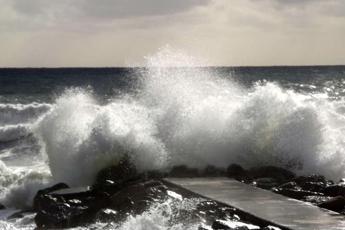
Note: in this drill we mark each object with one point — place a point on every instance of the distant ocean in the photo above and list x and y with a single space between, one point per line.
65 124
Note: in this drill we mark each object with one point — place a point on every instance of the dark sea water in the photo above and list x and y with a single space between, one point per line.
44 84
66 124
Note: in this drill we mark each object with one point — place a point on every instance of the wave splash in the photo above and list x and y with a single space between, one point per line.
191 116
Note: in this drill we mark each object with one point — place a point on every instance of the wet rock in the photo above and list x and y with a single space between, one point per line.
136 198
336 204
296 194
279 174
117 175
42 192
68 208
311 178
2 207
233 225
183 171
334 190
107 215
266 183
271 228
76 207
315 183
290 185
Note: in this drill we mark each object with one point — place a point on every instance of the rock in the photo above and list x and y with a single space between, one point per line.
315 183
296 194
2 207
334 190
75 207
233 225
317 199
117 175
290 185
280 174
271 228
70 208
107 215
212 171
183 171
311 178
136 198
235 171
336 204
266 183
42 192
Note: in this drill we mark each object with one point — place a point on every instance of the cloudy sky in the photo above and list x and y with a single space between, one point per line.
48 33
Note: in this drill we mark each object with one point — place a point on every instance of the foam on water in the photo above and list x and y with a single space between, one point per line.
191 116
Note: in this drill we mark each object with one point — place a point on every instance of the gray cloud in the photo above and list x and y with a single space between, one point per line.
133 8
103 8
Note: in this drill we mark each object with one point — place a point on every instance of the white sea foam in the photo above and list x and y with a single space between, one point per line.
194 117
19 185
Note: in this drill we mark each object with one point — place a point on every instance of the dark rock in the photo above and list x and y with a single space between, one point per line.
290 185
314 186
212 171
311 178
183 171
233 225
235 171
266 183
2 207
315 183
42 192
76 207
117 175
219 224
136 198
336 204
70 208
334 190
296 194
280 174
107 215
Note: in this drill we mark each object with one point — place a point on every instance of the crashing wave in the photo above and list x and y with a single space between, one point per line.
194 117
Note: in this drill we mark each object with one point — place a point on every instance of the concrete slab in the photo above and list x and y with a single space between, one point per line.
280 210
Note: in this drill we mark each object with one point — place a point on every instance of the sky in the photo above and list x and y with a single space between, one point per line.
90 33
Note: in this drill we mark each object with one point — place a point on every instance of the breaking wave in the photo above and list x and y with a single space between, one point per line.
194 117
21 113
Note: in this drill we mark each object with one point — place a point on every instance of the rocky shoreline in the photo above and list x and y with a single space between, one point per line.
120 192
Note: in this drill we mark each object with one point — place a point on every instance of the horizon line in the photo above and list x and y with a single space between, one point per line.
133 67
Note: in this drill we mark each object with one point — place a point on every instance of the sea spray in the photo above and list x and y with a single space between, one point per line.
82 137
188 115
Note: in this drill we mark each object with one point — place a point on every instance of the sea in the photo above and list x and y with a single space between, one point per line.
66 124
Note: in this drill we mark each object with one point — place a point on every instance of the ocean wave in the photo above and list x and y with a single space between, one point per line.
14 132
22 113
194 117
